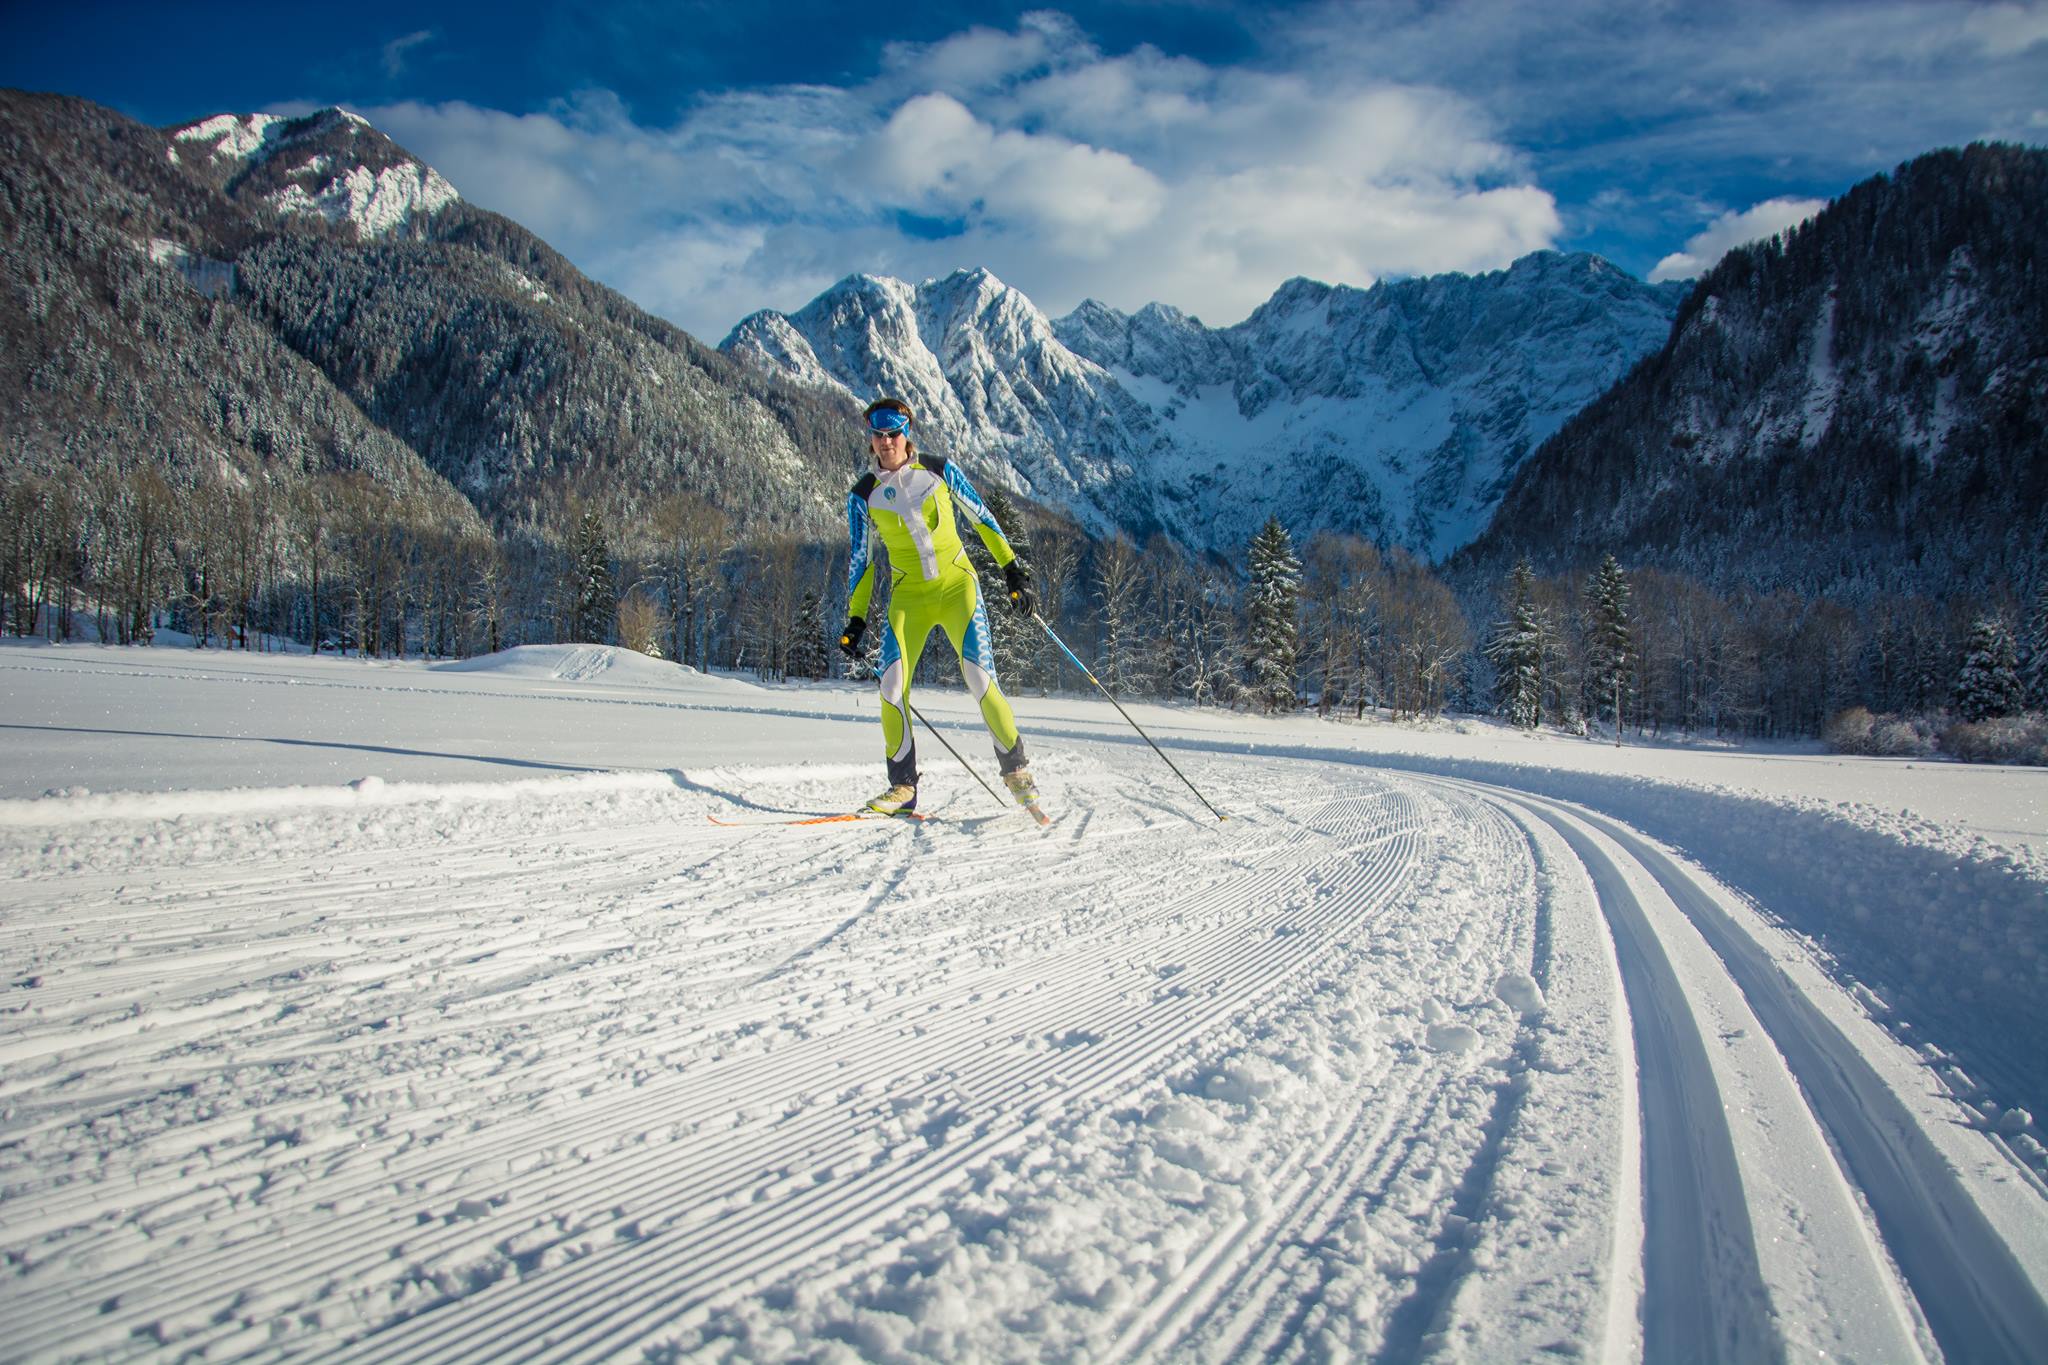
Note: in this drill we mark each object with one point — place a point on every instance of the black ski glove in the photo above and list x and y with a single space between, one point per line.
1018 577
849 639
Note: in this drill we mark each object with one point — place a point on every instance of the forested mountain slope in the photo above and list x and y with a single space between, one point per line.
284 297
1856 408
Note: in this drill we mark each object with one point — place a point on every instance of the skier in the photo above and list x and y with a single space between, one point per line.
907 500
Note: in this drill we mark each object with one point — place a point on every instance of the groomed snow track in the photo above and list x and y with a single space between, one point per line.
1394 1067
1789 1103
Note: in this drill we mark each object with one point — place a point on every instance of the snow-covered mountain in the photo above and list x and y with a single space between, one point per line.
332 164
1398 412
287 298
1855 408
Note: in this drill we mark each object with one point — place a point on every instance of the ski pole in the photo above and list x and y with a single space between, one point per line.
1054 636
918 716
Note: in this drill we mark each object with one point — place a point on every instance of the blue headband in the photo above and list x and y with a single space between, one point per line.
888 420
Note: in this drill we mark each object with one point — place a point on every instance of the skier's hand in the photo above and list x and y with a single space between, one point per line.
1018 577
849 639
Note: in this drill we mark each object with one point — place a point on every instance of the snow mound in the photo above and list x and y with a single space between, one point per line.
586 664
1519 992
78 806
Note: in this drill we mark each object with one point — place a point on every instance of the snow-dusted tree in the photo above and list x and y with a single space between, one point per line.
40 526
589 590
778 576
692 536
1610 640
1989 684
809 656
309 521
1197 653
1272 617
1342 578
1055 563
1422 636
2034 668
1119 584
1518 648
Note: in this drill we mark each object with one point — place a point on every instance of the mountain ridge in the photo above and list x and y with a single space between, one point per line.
1398 412
1856 406
276 298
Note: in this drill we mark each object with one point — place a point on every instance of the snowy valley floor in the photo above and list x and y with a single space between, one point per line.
396 1012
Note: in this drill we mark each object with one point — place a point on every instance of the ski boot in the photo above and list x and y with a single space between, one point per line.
1022 787
900 799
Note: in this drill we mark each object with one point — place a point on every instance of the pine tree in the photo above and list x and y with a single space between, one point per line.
1272 620
1610 640
2034 671
808 657
1518 648
1989 685
593 598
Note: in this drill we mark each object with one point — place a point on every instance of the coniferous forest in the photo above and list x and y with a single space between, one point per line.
264 431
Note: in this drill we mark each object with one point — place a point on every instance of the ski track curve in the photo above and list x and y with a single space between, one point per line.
1127 1037
414 1080
1390 1066
1768 1131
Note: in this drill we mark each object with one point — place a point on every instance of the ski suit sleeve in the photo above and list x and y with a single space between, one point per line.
984 520
860 568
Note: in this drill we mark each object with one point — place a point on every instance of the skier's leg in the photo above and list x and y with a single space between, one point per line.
966 625
902 642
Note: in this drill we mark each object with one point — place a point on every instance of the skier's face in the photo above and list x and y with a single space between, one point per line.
891 449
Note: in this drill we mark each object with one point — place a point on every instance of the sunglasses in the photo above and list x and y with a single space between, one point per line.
888 422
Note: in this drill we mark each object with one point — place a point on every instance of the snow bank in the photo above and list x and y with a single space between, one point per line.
77 807
578 663
1945 936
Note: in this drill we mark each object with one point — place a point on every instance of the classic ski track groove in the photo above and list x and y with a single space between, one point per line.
1927 1246
1112 1071
1051 1009
1251 1286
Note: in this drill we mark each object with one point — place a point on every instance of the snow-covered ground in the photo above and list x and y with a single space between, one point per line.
409 1012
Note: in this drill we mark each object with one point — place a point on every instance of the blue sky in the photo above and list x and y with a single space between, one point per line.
711 159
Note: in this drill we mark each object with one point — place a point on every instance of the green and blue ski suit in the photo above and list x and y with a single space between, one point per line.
931 583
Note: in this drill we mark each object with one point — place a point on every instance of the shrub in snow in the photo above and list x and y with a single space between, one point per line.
2003 739
641 620
2034 668
1857 731
1903 737
1848 732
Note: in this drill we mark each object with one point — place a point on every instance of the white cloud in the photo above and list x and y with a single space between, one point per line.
940 157
1365 139
984 59
397 50
1731 230
2004 30
1132 178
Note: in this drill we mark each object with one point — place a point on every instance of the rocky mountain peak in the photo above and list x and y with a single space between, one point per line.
1395 412
330 164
